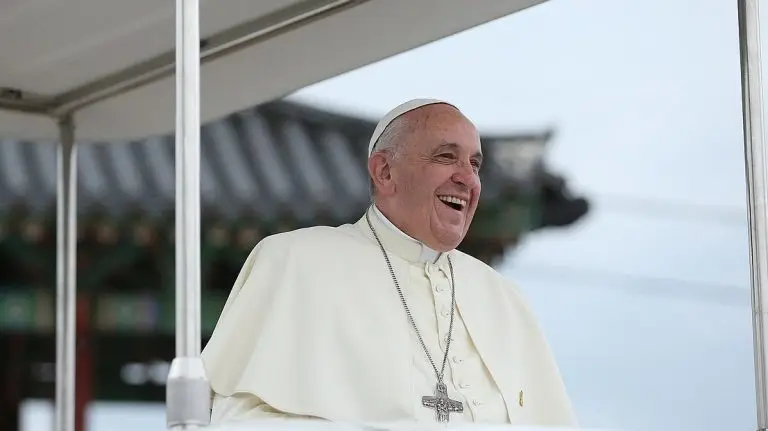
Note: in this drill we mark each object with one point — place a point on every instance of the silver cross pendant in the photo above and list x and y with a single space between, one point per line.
443 405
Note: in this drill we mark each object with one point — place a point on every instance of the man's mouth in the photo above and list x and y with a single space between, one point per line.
456 203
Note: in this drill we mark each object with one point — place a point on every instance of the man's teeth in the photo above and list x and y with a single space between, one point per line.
453 200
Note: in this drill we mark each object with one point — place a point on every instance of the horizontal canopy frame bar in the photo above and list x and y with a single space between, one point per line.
225 42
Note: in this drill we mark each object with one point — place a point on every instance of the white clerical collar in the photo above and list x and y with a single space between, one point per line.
425 253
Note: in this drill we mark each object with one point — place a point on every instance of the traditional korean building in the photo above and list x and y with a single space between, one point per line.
268 169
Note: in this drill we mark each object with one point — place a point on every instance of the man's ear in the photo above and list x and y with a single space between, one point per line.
381 174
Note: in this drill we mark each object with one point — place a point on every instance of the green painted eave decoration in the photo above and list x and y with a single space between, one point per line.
33 310
27 310
133 313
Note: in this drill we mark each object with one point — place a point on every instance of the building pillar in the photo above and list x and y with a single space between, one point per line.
15 371
84 365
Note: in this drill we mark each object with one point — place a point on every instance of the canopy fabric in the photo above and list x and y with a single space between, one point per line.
51 50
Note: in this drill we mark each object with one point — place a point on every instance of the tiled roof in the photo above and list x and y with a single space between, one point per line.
273 161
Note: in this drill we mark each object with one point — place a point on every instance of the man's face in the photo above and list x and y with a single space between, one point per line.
435 180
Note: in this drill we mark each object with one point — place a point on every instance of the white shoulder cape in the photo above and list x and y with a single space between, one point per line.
314 327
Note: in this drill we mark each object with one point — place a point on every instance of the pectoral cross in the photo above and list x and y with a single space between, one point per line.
441 403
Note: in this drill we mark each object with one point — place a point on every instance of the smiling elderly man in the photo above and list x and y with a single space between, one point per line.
384 320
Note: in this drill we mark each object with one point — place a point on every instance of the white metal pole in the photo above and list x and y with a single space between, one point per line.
66 249
187 180
757 195
188 392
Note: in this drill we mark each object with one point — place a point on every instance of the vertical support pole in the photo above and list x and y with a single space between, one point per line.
66 249
757 195
187 393
187 179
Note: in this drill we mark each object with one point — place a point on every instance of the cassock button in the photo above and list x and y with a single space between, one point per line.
477 402
457 360
464 385
445 313
431 269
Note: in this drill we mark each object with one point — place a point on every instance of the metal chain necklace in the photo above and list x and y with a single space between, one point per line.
440 402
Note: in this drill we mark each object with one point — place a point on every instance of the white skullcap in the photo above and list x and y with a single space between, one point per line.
398 111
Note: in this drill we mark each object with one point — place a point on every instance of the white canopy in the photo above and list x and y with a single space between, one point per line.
116 58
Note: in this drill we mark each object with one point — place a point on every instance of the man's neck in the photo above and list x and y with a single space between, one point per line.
428 253
385 216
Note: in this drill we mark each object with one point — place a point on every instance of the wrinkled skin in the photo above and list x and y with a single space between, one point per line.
440 155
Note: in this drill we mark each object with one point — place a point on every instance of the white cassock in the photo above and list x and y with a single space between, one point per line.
314 327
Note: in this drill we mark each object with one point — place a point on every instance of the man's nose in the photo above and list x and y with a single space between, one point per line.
466 176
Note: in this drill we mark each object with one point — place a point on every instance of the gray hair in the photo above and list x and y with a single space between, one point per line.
391 143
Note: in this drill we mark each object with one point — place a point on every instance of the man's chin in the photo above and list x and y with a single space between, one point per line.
450 239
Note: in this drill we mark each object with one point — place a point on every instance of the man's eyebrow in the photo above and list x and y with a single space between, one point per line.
455 147
447 146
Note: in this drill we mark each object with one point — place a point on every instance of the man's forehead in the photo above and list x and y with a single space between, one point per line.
449 130
436 116
401 110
